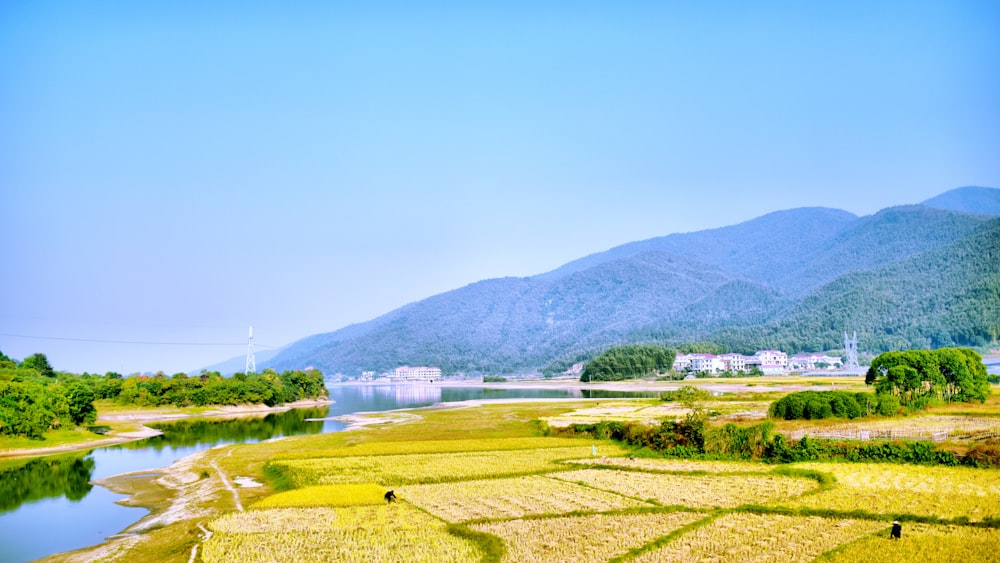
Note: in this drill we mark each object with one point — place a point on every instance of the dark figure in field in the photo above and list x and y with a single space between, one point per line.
897 531
390 496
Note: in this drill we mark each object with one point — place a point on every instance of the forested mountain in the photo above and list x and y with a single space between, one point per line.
909 276
970 199
949 296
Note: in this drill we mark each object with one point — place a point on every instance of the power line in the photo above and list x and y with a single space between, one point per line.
141 342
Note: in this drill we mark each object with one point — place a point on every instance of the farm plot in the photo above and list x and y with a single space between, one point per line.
894 489
745 537
692 491
928 427
625 412
510 498
394 532
394 470
326 495
653 413
583 539
434 447
680 465
923 542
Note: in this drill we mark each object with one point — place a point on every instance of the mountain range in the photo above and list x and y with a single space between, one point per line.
913 276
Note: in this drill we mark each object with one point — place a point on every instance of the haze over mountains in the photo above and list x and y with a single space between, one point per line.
913 276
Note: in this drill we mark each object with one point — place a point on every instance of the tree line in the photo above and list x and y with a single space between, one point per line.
35 399
627 362
210 388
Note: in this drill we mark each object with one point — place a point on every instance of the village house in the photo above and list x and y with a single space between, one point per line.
813 361
769 362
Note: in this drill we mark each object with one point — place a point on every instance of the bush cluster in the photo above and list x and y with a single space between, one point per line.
693 438
810 405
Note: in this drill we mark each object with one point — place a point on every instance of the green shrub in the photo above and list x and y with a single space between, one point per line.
814 405
887 405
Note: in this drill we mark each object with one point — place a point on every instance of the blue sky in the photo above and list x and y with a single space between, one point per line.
172 172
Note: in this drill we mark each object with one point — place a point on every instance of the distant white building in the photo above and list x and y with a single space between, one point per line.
682 362
813 361
735 363
771 358
705 363
770 362
422 373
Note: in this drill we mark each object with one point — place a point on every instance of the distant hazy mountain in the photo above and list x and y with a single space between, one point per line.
917 275
970 199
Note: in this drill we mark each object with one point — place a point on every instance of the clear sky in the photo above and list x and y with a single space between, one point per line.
172 172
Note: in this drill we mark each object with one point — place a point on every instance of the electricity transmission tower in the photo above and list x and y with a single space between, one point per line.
851 346
251 362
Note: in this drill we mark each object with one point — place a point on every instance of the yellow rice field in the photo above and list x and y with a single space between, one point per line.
743 537
553 500
693 491
510 498
923 542
395 532
893 489
393 470
326 495
666 464
436 447
583 539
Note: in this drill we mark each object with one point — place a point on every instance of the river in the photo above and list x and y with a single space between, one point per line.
49 505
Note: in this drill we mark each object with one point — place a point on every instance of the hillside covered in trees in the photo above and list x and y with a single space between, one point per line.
915 276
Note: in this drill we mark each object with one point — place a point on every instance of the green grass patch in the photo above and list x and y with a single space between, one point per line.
492 547
53 438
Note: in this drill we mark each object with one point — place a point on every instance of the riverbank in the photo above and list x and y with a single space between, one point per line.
128 425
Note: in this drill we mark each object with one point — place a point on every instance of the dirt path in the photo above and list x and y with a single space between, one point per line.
227 484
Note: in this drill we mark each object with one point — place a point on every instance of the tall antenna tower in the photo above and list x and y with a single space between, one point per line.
251 362
851 346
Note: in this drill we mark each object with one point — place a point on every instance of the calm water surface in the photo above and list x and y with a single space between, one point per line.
47 504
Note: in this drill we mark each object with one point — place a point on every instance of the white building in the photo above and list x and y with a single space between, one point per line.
682 362
771 358
813 361
705 363
422 373
735 363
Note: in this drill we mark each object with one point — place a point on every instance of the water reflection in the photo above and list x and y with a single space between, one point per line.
45 477
210 432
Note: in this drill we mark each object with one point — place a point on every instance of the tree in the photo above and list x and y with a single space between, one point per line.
39 363
81 404
957 374
6 362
